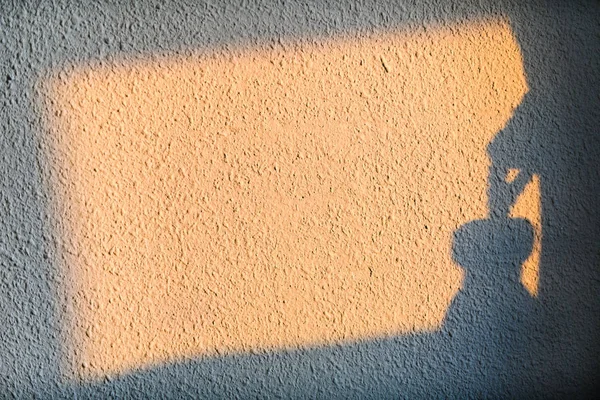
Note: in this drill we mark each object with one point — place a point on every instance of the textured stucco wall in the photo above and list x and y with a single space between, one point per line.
361 249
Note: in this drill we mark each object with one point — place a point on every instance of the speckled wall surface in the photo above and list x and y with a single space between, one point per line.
358 199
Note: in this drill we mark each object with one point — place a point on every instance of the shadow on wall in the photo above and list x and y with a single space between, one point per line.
131 193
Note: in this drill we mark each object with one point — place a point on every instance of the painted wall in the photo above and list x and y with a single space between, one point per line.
353 200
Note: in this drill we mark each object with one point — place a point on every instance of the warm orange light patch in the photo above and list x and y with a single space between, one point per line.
274 198
529 206
512 174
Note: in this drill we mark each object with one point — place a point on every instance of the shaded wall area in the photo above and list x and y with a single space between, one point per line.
496 340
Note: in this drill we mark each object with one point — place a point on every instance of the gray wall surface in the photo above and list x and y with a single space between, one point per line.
554 133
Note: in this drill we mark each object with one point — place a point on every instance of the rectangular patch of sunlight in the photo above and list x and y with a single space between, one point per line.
273 198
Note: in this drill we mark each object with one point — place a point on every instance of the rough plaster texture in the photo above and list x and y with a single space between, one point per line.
268 199
416 335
